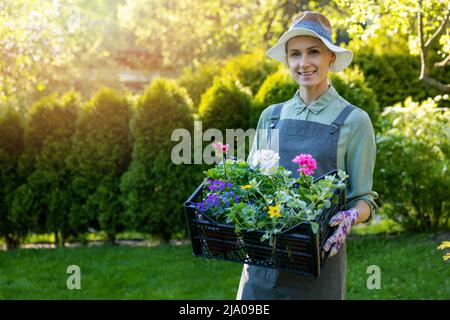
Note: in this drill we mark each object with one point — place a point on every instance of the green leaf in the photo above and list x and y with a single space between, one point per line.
342 174
314 227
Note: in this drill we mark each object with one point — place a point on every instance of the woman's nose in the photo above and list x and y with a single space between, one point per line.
304 61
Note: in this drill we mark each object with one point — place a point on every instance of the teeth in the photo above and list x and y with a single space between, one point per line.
307 73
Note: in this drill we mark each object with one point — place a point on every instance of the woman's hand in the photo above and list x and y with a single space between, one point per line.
344 220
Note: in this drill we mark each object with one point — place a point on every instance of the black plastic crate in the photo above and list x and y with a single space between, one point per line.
297 249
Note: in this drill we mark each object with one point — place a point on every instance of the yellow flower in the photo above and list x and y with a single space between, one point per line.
444 245
247 186
274 211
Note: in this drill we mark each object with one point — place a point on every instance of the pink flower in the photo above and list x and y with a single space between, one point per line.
220 147
306 162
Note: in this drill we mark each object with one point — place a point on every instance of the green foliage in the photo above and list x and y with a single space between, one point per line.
24 207
42 203
53 46
352 86
197 79
386 24
33 39
387 45
277 87
101 154
393 77
11 145
377 226
168 32
412 164
154 187
251 69
225 105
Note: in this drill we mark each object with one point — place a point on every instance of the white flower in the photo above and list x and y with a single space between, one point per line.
266 159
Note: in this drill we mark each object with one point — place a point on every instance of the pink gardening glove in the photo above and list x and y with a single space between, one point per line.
345 220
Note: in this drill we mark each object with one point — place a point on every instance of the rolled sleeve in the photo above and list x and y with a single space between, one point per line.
360 162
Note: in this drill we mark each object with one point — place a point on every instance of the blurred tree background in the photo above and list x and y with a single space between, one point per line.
76 156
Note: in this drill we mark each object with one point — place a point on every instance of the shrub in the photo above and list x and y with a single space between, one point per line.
394 77
11 146
277 87
197 79
154 188
251 69
42 202
225 105
352 86
412 164
101 154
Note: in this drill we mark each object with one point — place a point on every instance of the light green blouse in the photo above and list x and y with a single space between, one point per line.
356 146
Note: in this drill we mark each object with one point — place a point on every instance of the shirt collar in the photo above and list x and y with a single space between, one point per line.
317 105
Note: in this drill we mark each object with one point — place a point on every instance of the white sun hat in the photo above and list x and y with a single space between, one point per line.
316 25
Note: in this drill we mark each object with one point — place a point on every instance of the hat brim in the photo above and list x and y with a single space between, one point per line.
343 56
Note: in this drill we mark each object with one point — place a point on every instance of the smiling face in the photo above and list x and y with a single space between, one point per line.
308 60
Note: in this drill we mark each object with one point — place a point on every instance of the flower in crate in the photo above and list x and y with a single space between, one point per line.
274 211
306 162
266 160
220 148
262 195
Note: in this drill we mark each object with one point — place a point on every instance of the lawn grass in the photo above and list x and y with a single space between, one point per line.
411 268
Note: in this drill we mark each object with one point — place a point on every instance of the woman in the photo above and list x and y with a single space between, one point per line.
318 121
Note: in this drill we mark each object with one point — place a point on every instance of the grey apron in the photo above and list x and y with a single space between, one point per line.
321 141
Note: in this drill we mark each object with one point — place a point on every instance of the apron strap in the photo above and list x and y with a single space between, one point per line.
339 121
275 117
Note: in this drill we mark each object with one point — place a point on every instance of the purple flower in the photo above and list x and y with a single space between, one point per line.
200 206
211 185
215 185
212 200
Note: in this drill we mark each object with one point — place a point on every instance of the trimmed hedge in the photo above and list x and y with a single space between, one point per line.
251 69
225 105
101 154
154 188
11 147
196 80
277 87
42 202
